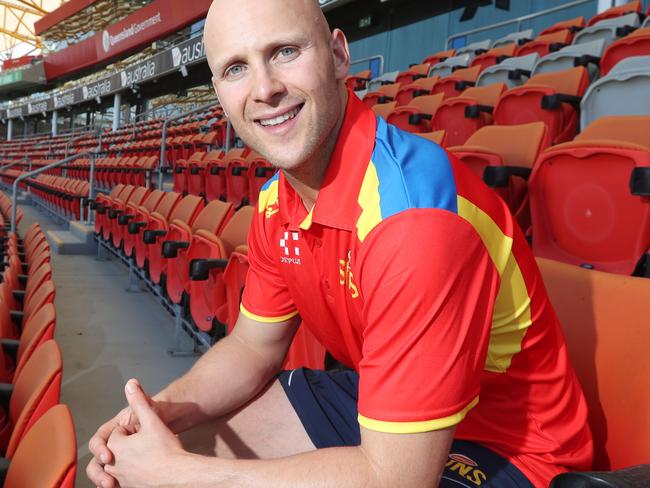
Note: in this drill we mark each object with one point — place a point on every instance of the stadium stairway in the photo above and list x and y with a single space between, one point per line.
107 335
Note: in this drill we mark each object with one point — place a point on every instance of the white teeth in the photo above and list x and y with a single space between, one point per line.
280 119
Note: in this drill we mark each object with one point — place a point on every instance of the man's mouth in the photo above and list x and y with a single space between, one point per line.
280 119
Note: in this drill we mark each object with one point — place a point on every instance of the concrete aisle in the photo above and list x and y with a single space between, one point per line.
107 336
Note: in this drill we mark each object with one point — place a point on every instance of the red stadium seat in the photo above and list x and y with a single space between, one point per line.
181 170
635 44
552 98
504 156
413 73
130 212
237 179
416 116
358 81
118 207
457 82
208 255
573 25
177 242
439 56
383 110
157 228
385 93
463 115
494 56
588 200
197 172
546 43
421 86
259 172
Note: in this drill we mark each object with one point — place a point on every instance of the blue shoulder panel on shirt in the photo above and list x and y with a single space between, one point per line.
275 177
413 172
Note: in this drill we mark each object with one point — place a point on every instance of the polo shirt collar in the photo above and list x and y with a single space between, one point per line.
336 204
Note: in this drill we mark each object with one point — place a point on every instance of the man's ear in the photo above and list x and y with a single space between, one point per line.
341 54
214 86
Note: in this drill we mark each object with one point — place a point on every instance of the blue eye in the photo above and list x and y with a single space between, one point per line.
287 54
235 70
287 51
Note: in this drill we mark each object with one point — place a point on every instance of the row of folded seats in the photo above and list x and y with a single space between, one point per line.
37 438
236 176
196 252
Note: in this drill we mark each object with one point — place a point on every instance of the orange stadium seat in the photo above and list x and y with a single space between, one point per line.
117 208
546 43
51 445
259 172
439 56
177 242
552 98
413 73
181 170
464 114
589 197
208 256
237 180
416 116
635 44
419 87
494 56
383 110
157 228
358 81
618 11
573 25
457 82
602 316
504 156
384 94
130 212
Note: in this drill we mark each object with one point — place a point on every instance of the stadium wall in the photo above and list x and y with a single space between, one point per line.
412 43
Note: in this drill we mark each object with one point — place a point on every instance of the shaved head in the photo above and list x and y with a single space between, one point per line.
279 74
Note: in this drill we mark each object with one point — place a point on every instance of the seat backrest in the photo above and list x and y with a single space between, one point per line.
36 389
565 57
37 329
138 195
446 67
213 216
439 56
167 203
236 153
187 209
437 136
383 110
613 12
624 91
427 104
235 232
500 72
473 47
570 82
604 317
518 145
153 199
485 95
514 37
47 455
572 24
116 191
607 29
631 128
44 294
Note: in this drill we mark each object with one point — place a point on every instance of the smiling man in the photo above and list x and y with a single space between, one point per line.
406 267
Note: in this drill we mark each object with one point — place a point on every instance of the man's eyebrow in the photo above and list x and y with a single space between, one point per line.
299 40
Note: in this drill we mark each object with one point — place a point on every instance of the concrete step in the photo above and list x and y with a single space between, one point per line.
77 240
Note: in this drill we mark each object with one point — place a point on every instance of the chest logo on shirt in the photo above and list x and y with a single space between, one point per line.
346 276
290 249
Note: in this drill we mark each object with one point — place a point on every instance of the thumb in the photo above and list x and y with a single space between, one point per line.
140 404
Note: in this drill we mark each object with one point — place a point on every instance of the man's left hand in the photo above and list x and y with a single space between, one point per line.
148 457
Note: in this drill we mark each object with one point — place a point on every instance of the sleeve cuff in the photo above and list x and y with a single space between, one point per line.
416 427
266 320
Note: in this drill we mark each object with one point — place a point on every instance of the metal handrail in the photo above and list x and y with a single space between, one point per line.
372 58
163 142
24 176
517 20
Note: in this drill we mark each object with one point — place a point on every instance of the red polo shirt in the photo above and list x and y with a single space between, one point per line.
411 271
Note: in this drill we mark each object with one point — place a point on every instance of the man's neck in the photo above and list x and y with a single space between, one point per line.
307 178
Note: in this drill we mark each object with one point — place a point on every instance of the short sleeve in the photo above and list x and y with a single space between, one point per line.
266 297
429 288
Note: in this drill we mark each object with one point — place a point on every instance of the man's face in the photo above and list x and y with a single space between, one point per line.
277 73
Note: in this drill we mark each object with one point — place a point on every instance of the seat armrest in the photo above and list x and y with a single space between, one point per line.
499 176
134 227
263 171
22 279
474 111
518 74
555 101
585 60
215 170
124 219
6 390
415 119
238 170
10 347
462 84
200 268
640 181
150 236
170 248
18 294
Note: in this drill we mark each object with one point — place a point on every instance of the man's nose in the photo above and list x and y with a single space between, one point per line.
266 85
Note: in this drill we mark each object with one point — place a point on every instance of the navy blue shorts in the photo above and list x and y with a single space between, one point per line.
326 403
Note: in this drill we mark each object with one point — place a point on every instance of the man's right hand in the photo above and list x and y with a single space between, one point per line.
101 454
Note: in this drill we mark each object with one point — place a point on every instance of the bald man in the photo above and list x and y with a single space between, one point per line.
400 261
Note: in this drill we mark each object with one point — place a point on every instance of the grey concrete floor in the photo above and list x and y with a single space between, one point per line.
107 335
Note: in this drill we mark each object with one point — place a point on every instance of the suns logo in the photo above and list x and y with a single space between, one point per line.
346 276
466 468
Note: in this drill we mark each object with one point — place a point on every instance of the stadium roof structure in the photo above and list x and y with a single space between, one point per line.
17 19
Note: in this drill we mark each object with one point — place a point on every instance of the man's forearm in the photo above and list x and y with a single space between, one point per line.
341 467
226 377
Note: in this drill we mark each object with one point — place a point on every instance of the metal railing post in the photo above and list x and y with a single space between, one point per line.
91 183
228 134
372 58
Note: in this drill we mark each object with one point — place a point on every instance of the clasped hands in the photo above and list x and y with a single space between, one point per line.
135 448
